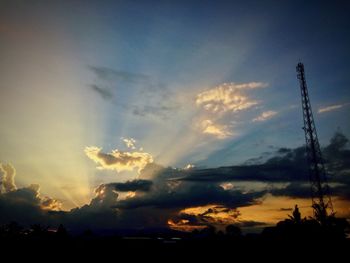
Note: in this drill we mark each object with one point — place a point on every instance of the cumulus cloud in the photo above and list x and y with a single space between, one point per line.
331 108
217 130
105 196
228 97
26 206
265 116
118 160
7 178
51 204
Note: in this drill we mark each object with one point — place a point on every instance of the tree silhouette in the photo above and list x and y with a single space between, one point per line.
233 231
296 216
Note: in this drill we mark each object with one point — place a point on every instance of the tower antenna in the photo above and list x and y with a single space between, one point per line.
320 194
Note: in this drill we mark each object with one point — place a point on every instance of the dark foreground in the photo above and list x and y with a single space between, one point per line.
293 239
132 248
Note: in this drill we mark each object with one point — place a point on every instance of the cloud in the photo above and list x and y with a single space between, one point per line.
156 99
7 178
162 111
169 197
48 203
199 217
134 185
118 160
108 74
277 169
337 158
21 205
214 215
129 142
265 116
109 79
219 131
105 93
227 186
105 196
286 165
221 107
331 108
180 196
228 97
294 190
26 206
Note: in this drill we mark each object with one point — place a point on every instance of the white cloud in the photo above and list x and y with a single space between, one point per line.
228 97
265 116
219 131
118 160
129 142
330 108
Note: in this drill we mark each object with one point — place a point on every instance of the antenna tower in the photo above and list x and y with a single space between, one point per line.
321 199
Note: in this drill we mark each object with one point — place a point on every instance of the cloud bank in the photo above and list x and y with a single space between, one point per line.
184 199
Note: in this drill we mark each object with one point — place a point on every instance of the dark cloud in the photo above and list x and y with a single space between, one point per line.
275 170
294 190
157 200
337 156
250 224
108 74
286 209
161 111
287 165
22 205
105 93
109 80
134 185
190 194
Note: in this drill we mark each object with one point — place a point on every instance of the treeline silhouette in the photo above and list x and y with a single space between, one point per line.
292 232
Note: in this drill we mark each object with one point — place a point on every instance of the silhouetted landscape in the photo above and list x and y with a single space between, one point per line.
293 233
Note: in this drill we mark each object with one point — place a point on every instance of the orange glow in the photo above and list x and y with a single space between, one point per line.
130 194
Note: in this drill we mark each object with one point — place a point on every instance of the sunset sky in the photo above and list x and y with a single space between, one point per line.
130 108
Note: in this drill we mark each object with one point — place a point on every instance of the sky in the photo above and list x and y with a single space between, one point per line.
125 107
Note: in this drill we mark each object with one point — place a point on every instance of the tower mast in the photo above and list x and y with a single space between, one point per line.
321 199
